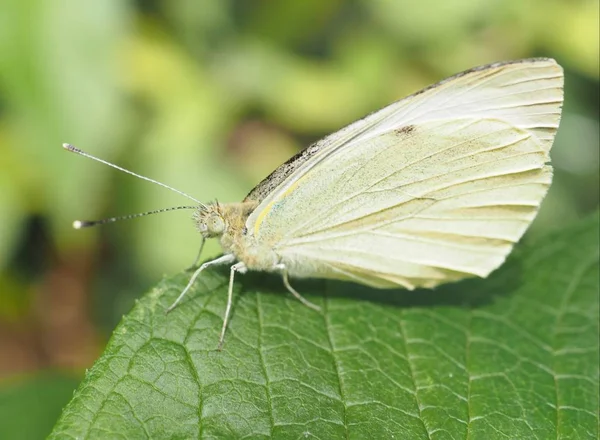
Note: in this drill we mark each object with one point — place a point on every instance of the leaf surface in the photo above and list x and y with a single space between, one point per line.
511 356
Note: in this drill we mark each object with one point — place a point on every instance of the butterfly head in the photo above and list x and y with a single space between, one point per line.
210 221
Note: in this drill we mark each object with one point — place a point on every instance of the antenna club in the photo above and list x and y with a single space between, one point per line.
70 147
77 224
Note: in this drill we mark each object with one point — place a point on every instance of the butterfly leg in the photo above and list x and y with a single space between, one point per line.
237 267
224 259
286 283
195 263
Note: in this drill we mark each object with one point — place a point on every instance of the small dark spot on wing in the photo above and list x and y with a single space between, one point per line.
407 129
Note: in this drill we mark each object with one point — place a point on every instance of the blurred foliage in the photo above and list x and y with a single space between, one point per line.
38 399
209 97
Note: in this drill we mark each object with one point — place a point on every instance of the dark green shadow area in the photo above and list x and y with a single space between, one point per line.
30 406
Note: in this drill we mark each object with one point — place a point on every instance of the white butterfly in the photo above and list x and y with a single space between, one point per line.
433 188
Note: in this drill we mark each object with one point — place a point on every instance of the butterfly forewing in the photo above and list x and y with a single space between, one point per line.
433 188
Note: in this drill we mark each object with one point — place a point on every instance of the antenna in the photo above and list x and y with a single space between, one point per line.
73 149
80 224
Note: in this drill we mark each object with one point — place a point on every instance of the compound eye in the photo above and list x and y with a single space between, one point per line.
216 225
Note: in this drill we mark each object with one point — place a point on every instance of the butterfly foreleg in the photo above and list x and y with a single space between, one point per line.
237 267
195 263
224 259
286 282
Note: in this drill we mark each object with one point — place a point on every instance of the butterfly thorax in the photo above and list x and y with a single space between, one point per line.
228 223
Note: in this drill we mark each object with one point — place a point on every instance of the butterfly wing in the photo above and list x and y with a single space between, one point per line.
433 188
526 93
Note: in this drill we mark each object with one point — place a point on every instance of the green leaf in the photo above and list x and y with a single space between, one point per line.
512 356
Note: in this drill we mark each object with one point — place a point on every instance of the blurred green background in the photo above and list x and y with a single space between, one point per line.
209 96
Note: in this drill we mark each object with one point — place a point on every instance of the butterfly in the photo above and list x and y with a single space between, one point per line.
431 189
